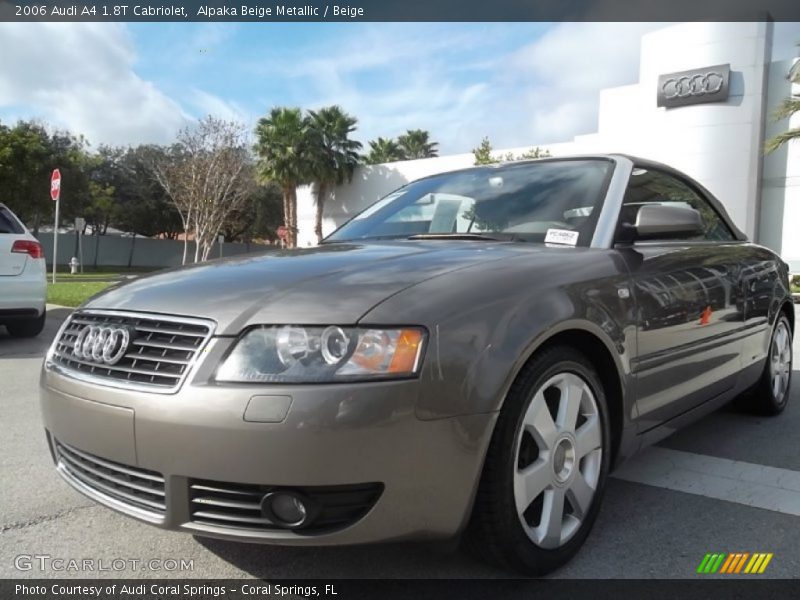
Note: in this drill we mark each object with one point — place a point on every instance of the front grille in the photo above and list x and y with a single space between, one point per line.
131 486
159 356
238 506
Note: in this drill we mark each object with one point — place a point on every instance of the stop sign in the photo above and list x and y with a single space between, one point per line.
55 185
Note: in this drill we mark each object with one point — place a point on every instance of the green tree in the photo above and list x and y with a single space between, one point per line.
384 150
28 155
416 143
259 218
788 108
531 154
484 154
282 147
208 175
142 205
99 207
25 170
333 155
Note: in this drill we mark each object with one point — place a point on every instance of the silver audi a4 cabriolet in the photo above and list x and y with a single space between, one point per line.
470 355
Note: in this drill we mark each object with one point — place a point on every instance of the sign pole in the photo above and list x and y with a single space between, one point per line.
80 225
55 240
55 196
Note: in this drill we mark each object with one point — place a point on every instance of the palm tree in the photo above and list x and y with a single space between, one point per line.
384 150
788 108
282 148
333 155
416 144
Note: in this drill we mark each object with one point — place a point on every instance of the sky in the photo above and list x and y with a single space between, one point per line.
520 84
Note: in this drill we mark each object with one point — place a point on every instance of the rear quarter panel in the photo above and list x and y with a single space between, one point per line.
765 290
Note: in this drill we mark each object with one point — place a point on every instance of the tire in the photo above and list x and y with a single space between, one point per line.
24 328
531 450
770 395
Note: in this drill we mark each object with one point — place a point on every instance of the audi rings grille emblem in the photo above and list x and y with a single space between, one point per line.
102 344
692 85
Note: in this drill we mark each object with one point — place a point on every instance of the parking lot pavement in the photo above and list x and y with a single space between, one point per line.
705 489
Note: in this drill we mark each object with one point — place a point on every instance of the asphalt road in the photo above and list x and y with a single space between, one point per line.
728 483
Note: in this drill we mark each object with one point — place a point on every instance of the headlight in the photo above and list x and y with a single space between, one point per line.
293 354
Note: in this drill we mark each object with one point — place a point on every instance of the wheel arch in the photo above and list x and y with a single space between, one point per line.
588 339
787 308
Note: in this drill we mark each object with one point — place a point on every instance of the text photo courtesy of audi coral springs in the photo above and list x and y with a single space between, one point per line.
188 590
517 439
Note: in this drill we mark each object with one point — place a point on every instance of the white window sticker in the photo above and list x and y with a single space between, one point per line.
561 236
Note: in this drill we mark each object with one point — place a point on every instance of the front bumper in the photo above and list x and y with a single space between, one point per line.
332 435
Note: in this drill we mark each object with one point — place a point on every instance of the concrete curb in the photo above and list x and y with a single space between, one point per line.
49 306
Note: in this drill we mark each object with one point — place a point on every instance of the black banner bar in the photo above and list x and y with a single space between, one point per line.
732 588
399 10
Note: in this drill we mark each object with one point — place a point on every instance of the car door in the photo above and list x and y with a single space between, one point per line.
687 300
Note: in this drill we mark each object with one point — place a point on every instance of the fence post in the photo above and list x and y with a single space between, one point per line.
130 255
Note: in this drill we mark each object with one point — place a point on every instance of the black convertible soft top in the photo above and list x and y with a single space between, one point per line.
651 164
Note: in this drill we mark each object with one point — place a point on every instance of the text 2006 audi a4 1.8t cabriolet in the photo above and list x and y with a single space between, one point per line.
471 354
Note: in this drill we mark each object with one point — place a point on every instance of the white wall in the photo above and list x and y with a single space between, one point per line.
780 200
720 144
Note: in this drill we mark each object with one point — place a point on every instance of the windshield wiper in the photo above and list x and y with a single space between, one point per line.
366 238
453 236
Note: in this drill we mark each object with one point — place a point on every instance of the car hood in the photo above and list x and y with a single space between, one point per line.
332 283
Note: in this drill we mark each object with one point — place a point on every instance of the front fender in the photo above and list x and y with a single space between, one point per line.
485 324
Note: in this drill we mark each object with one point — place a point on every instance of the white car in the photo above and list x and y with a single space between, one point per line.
23 278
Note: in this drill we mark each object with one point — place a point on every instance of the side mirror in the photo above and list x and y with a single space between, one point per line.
659 221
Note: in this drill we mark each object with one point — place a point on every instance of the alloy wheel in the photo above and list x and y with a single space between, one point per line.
559 450
780 361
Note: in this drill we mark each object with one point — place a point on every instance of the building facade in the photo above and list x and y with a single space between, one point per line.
703 104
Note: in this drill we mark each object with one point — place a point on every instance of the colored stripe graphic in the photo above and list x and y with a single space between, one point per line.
765 563
703 563
734 563
754 564
718 563
730 564
727 564
710 563
741 562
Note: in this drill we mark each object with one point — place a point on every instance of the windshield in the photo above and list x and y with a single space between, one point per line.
554 201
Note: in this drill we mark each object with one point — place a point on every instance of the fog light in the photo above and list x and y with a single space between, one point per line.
288 509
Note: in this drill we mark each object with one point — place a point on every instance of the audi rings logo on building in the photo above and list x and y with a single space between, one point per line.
694 87
102 344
